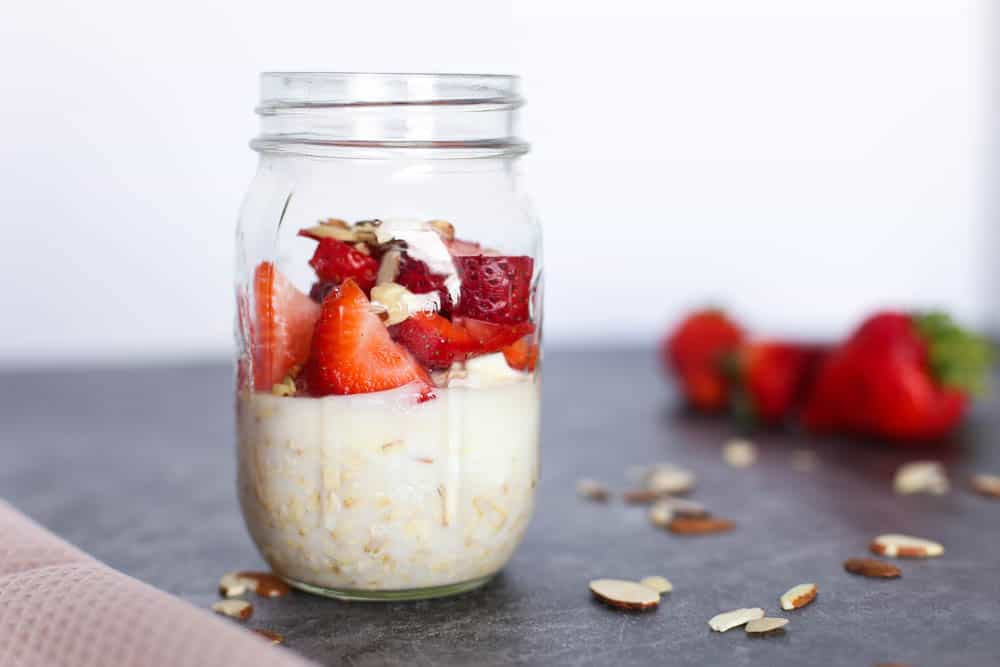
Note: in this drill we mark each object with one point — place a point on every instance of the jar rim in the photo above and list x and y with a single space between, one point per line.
283 90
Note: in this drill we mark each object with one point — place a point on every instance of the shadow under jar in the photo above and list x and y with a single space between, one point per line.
388 333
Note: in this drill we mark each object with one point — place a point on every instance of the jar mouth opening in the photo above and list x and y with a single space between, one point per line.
283 91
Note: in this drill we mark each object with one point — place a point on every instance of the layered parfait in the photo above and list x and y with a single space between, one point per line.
388 419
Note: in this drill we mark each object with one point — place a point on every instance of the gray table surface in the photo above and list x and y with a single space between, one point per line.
136 466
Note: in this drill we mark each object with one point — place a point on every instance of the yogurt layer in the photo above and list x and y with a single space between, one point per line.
380 492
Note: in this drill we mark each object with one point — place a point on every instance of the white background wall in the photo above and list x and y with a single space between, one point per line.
797 161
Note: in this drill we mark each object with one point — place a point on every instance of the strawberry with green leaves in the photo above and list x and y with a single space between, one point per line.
906 377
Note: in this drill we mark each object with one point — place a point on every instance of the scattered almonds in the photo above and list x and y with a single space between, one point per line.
265 584
904 546
804 460
739 453
388 268
921 477
987 485
398 303
664 510
240 609
592 490
871 567
659 584
232 585
274 637
728 620
766 626
640 496
625 594
667 479
699 525
799 596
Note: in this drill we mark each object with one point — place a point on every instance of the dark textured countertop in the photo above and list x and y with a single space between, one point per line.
137 467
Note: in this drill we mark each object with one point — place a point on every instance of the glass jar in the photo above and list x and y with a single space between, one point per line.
388 326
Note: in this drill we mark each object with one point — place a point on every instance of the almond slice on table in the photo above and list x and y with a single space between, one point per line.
799 596
265 584
592 490
625 594
921 477
659 584
665 509
739 453
270 635
232 585
668 479
699 525
728 620
904 546
641 496
240 609
986 485
766 626
872 567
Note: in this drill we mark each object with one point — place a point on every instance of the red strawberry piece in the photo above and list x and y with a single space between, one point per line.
352 351
522 355
433 340
694 352
416 277
335 261
495 288
282 330
489 337
899 376
769 377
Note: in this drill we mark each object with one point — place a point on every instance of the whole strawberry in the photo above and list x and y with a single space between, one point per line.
902 376
769 379
695 351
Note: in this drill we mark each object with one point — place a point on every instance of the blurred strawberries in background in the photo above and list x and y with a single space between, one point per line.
906 377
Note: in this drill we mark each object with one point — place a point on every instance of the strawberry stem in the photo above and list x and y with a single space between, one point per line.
959 359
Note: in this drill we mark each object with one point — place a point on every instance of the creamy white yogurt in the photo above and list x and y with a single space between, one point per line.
379 492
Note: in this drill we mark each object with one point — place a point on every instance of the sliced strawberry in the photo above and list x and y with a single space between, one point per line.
522 355
488 337
352 351
495 289
281 334
336 261
415 276
434 340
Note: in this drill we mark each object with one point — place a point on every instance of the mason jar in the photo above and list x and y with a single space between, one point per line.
388 286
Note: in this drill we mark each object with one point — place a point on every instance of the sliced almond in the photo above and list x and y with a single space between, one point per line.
904 546
326 230
625 594
799 596
232 585
666 479
388 268
265 584
240 609
659 584
728 620
739 453
592 490
640 496
921 477
766 626
399 303
444 228
699 525
284 388
665 509
872 567
987 485
271 636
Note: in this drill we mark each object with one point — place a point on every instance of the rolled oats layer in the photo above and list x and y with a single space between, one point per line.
381 492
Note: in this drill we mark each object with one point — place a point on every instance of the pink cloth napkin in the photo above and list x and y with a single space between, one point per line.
61 608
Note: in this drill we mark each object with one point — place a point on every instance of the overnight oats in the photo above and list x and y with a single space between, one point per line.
390 442
388 386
